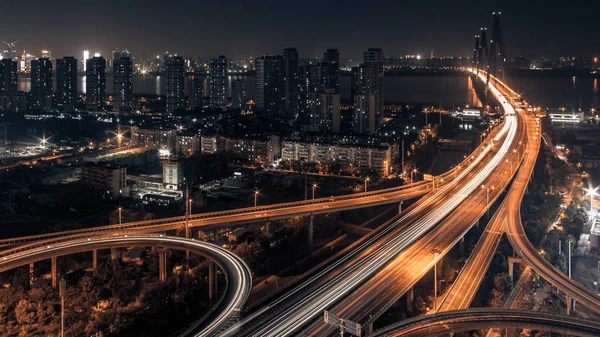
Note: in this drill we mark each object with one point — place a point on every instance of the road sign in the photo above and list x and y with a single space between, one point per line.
345 325
427 177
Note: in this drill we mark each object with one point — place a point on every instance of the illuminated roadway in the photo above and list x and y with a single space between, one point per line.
373 298
224 219
311 299
238 274
463 290
451 322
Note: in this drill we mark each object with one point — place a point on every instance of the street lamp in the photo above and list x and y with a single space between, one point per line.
591 192
255 197
366 180
120 213
435 253
313 190
570 241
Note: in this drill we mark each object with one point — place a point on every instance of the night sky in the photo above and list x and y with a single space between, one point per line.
239 28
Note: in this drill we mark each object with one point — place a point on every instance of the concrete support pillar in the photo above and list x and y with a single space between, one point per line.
400 207
512 260
369 329
511 332
311 219
268 228
94 260
53 271
568 300
162 264
212 281
31 274
113 254
410 298
461 244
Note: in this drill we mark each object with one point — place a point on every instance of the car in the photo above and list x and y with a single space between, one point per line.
331 198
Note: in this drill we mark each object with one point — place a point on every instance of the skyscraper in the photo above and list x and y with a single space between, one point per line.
373 58
238 93
270 95
330 70
363 102
95 83
291 86
41 84
326 116
175 83
217 82
66 83
8 76
122 81
195 91
309 86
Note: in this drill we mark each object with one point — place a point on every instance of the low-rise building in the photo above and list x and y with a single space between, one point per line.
105 178
377 158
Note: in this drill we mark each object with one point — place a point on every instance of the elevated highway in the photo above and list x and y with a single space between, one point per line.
450 322
312 300
238 274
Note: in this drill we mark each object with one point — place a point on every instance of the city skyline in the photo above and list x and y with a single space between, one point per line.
239 30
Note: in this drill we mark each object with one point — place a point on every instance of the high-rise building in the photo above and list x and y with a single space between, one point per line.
41 84
8 76
95 82
270 95
66 83
238 93
217 82
373 58
291 85
330 70
326 116
309 86
175 83
122 81
195 91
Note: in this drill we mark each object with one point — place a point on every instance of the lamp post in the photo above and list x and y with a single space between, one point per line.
366 181
591 192
435 253
314 186
120 215
570 258
255 197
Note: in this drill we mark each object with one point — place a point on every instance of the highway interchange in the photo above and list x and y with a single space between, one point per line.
384 265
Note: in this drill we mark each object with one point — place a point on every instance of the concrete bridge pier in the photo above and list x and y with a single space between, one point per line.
410 299
53 271
512 260
570 304
94 260
511 332
212 281
400 206
31 274
461 244
369 329
162 264
113 254
268 228
311 226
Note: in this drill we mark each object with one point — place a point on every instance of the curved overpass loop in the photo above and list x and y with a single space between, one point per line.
238 274
450 322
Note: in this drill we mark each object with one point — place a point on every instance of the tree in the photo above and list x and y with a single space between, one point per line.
25 313
503 283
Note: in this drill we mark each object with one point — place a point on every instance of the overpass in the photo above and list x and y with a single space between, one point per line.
451 322
372 299
238 274
310 301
